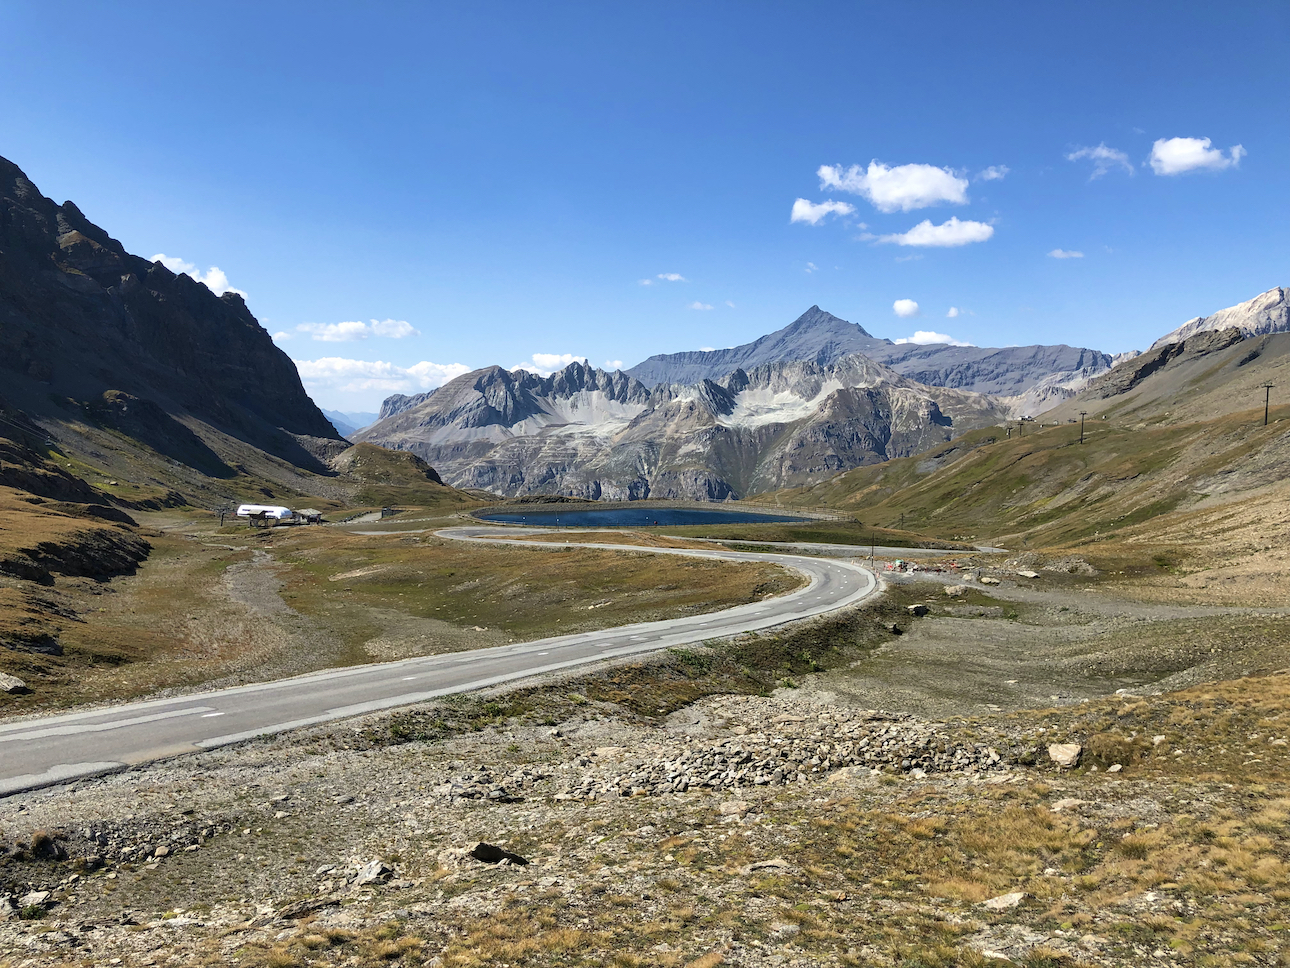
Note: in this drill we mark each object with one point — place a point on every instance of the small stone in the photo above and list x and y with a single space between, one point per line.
1065 754
775 863
280 814
1067 804
733 808
1005 902
162 851
1115 768
955 591
1028 574
987 580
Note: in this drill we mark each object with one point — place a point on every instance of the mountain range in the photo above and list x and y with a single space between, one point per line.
820 337
587 433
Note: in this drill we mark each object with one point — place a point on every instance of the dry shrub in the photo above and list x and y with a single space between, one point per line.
1107 749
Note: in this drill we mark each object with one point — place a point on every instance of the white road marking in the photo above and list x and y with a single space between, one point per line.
211 715
408 678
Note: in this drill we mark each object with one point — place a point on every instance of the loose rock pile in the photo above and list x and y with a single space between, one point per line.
792 751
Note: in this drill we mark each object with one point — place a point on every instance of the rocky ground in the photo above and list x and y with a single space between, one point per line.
1039 797
741 830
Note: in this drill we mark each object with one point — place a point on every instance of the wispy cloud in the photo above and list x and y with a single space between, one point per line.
281 336
814 212
993 173
612 365
902 188
946 235
1103 158
213 278
348 332
904 308
544 364
811 267
1177 156
953 313
335 373
699 305
924 337
665 276
1065 254
730 304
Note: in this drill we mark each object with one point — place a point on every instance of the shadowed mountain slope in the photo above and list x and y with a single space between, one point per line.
81 318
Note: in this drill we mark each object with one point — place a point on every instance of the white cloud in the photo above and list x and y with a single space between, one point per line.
213 279
730 304
335 373
707 349
993 173
954 311
1103 158
904 308
813 213
281 337
699 305
645 282
354 330
923 337
902 188
945 235
811 267
1175 156
544 364
671 277
1065 254
612 365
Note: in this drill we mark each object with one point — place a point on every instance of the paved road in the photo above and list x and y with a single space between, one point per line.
43 751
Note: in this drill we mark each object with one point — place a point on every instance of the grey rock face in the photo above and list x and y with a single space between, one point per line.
1266 313
586 433
82 318
820 337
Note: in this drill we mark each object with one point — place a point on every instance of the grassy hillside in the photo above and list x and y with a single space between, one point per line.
1046 488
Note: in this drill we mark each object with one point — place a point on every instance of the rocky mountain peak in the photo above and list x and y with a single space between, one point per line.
1266 313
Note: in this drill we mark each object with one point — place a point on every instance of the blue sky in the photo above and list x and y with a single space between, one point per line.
406 190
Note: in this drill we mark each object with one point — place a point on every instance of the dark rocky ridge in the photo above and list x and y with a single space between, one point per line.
80 318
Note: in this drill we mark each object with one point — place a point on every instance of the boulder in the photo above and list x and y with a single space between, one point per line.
1005 902
11 684
733 808
492 854
34 899
917 610
954 591
1065 754
1028 574
987 580
373 872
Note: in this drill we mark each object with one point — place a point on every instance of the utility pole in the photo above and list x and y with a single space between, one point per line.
1081 425
1021 428
1267 395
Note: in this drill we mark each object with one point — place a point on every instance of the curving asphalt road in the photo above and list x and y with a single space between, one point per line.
43 751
